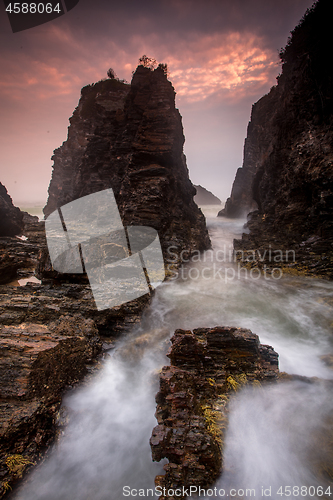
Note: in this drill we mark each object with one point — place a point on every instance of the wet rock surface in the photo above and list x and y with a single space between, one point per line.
288 157
51 335
129 138
207 366
44 303
205 197
19 256
273 251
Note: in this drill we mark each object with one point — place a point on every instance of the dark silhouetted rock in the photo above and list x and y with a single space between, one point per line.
207 366
11 218
288 160
19 255
130 138
205 197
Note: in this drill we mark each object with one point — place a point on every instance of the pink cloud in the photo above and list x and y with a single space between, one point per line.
226 63
199 65
41 85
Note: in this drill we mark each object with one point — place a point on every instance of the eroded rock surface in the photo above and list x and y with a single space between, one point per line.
50 334
207 365
39 359
19 257
288 156
130 138
16 253
11 217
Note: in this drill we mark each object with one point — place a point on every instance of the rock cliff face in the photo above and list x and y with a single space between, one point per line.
18 257
130 138
288 153
207 366
11 217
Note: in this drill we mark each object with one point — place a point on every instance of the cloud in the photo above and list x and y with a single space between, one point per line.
210 46
221 55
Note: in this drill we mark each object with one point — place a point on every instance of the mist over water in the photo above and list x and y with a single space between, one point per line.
105 445
276 439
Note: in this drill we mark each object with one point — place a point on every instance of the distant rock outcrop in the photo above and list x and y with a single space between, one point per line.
288 157
130 138
205 197
207 366
11 217
241 200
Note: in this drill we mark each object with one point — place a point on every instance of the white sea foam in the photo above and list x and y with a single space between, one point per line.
106 444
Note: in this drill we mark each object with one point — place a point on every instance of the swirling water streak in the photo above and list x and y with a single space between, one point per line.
106 443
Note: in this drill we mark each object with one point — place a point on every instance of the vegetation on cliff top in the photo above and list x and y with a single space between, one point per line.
112 83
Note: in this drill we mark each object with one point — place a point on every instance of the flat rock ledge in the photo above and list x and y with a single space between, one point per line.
208 365
38 361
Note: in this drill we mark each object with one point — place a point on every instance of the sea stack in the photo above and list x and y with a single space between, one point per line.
129 137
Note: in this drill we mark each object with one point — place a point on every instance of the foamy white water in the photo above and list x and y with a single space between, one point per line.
106 443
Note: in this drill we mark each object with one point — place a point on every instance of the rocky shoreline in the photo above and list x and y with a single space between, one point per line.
129 138
208 365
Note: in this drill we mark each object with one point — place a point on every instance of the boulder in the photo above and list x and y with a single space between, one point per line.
208 365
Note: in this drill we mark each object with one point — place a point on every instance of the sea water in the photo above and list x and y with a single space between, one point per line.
104 452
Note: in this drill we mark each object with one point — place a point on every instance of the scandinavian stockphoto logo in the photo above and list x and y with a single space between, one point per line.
28 14
87 235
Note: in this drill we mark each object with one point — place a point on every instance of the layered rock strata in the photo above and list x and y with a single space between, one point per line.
45 303
130 138
288 156
15 254
11 217
207 366
50 336
38 361
205 197
257 143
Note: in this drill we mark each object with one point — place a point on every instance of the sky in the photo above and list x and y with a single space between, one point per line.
222 57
